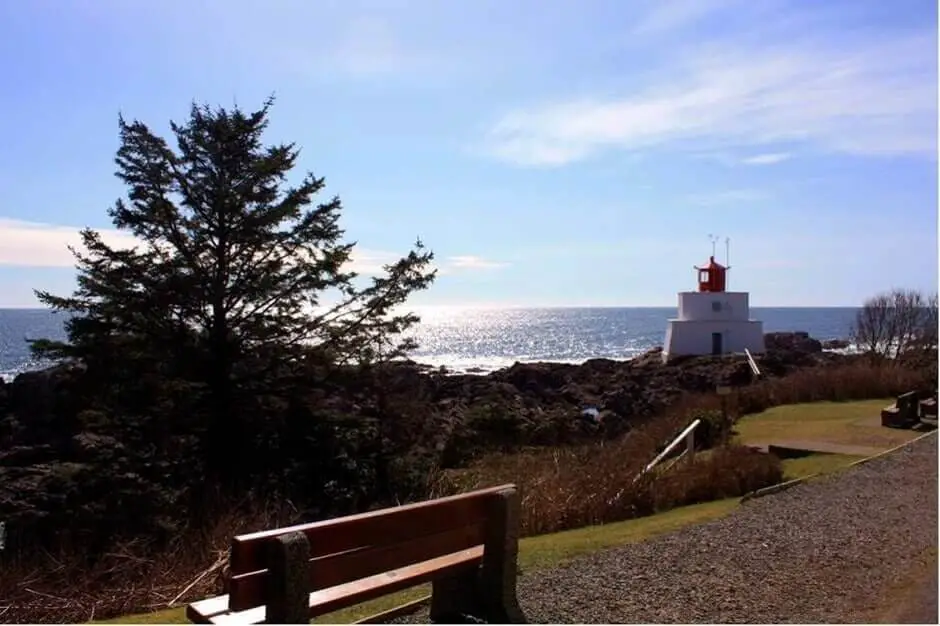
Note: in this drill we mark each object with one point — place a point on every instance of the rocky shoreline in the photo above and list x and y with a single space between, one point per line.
37 405
57 452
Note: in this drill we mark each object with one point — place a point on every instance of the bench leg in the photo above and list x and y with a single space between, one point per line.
454 597
487 593
500 562
289 581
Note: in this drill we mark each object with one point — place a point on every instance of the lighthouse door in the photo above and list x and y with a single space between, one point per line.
716 343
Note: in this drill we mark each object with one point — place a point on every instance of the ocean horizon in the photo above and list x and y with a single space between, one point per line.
484 339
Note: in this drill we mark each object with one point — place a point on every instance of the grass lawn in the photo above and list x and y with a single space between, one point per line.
816 464
845 423
534 553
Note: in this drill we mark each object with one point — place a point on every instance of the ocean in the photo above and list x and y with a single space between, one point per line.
485 339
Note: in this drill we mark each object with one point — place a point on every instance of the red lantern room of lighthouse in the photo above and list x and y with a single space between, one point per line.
712 278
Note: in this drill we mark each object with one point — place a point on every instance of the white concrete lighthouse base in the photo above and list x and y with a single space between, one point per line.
701 337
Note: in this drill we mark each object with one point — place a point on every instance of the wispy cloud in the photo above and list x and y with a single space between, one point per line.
767 159
370 262
470 262
862 97
35 244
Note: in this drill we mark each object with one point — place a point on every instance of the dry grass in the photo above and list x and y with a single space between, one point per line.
576 487
131 577
859 380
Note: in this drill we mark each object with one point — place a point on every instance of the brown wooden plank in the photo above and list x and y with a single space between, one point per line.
375 528
250 590
363 590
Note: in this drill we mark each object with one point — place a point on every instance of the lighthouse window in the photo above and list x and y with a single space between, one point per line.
716 306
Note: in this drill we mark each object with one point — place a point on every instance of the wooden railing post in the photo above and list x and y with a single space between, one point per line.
289 580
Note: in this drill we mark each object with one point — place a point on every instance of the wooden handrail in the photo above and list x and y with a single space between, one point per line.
752 363
687 433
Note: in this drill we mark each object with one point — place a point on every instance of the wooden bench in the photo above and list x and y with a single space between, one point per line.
465 545
904 413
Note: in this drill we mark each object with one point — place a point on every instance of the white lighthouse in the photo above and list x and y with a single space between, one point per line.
712 320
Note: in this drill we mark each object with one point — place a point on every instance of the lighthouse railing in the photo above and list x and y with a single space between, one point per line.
687 435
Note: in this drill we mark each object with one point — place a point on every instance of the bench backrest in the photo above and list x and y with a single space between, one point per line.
350 548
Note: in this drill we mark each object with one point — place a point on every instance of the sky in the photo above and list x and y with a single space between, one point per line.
564 153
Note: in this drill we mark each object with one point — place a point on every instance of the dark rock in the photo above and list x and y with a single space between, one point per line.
536 377
791 341
28 455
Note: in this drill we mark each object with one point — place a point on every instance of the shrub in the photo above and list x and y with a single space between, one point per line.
564 488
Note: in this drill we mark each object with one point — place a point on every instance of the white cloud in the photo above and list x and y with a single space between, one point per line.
35 244
767 159
863 98
370 262
470 262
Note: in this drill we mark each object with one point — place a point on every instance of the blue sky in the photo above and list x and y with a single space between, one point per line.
550 153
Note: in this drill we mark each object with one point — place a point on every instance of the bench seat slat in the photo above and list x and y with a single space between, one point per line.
215 610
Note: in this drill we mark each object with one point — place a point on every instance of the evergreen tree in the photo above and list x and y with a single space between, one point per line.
233 270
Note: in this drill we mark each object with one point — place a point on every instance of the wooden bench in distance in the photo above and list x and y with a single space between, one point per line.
465 545
904 413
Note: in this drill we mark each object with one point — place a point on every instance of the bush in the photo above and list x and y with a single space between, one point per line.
724 472
565 488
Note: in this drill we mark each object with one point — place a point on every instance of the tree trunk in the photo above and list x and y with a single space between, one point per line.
226 433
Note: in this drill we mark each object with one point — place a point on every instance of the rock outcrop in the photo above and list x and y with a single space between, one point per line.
791 341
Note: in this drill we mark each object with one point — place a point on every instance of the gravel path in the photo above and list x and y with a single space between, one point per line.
819 552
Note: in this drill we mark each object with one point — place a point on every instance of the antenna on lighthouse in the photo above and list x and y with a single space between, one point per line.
714 240
727 259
